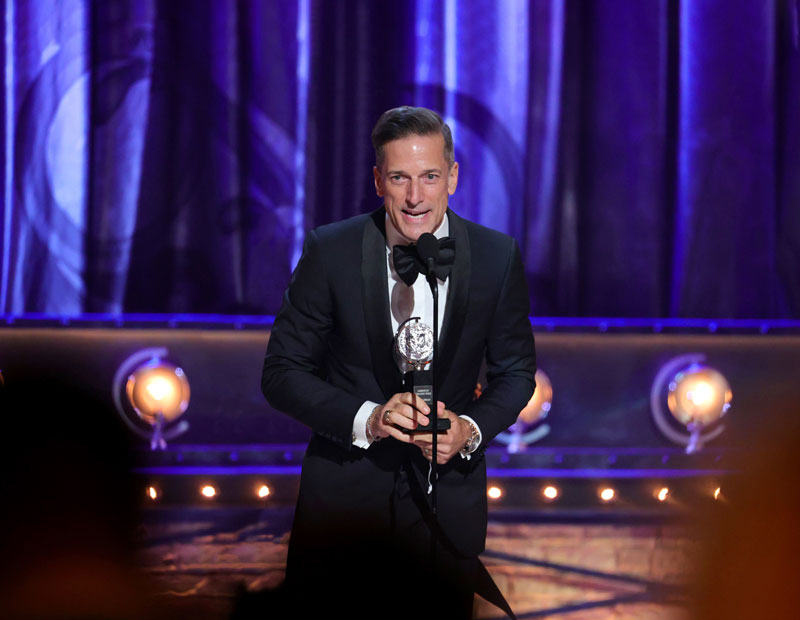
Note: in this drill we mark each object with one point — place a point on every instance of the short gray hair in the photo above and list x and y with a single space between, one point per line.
407 121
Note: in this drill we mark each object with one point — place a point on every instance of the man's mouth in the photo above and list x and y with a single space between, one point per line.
418 215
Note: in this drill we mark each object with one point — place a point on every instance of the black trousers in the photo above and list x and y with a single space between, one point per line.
369 579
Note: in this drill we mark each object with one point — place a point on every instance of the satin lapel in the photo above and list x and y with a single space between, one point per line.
457 297
375 298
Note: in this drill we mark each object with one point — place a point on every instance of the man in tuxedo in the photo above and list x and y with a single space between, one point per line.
363 522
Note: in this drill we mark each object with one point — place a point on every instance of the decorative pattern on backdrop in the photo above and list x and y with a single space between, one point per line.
170 155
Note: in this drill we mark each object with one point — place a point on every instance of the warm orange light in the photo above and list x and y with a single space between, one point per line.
699 395
607 494
540 401
263 491
550 492
208 491
662 494
495 492
158 388
717 493
153 493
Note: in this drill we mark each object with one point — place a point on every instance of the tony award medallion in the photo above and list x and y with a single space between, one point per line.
414 350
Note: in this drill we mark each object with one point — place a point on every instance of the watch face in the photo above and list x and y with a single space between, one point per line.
414 342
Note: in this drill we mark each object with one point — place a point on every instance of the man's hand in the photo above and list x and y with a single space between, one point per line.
448 444
403 412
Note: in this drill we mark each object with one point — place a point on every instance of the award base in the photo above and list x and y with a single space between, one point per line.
419 382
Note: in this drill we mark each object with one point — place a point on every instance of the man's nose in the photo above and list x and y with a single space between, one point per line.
413 196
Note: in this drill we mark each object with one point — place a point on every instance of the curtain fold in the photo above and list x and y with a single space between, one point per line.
170 155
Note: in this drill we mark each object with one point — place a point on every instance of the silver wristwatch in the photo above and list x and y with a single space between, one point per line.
472 442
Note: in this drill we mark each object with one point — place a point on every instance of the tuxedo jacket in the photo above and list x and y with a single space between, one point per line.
331 349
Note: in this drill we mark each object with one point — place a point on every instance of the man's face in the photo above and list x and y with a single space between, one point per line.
414 182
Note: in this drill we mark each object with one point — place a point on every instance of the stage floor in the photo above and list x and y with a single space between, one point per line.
198 559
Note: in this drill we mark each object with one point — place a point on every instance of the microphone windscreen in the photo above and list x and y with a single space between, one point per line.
427 247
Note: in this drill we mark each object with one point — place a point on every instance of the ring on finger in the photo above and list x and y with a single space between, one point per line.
386 416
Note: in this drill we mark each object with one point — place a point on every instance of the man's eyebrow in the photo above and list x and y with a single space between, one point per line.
390 173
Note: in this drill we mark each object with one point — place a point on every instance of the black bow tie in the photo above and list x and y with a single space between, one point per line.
408 264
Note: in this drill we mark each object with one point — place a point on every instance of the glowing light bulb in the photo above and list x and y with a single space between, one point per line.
662 494
717 493
208 491
263 491
495 492
159 388
158 391
702 394
550 492
699 395
607 494
152 493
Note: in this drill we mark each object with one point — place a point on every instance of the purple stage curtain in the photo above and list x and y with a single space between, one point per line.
170 155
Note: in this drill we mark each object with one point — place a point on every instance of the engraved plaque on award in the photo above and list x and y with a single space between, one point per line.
414 349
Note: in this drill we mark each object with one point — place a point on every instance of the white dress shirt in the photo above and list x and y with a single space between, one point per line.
405 302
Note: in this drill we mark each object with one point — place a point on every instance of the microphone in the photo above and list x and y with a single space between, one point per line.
428 250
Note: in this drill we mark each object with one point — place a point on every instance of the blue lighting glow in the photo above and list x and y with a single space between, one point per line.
539 323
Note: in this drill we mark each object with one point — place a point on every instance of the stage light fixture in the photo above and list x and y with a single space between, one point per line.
529 428
156 392
263 491
159 393
153 493
662 494
550 493
494 492
208 491
607 494
697 396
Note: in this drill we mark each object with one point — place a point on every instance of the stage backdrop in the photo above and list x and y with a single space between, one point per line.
169 156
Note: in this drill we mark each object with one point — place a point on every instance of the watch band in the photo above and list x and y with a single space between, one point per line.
472 441
370 437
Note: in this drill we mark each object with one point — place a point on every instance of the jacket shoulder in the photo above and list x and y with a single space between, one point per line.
343 233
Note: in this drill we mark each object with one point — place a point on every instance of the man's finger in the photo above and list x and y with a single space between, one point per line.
414 401
399 434
443 457
407 417
404 421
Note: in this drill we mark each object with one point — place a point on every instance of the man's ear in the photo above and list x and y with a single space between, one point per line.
378 181
452 178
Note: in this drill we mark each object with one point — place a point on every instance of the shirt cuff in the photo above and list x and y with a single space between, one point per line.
360 425
480 436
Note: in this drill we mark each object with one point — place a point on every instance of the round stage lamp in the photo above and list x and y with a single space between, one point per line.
688 398
550 493
148 389
539 404
494 492
607 494
159 393
528 428
158 389
698 396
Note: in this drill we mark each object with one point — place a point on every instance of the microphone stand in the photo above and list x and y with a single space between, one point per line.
435 413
